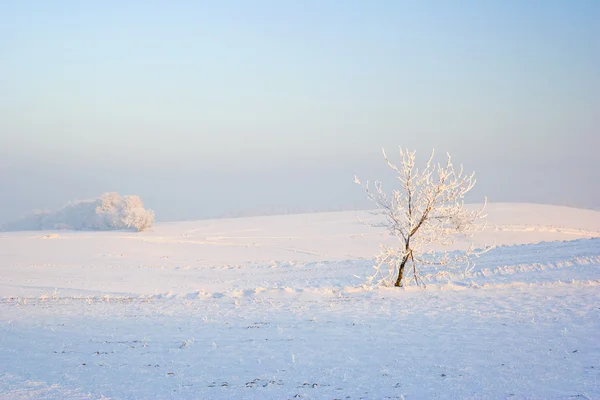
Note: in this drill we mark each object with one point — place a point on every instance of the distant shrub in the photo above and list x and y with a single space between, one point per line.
108 212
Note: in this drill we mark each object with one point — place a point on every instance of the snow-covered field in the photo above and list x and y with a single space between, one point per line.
275 308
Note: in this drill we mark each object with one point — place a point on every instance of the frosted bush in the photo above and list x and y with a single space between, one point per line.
109 212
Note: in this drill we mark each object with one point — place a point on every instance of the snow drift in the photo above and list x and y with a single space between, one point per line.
276 308
108 212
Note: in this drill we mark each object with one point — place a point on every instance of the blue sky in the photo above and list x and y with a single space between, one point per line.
209 107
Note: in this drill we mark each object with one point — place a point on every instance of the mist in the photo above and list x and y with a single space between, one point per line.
212 110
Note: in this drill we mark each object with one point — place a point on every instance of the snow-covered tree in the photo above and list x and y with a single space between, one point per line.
134 215
426 210
108 212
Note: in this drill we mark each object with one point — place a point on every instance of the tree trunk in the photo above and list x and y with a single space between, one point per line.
401 270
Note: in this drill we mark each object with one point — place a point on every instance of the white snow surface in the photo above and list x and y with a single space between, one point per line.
276 308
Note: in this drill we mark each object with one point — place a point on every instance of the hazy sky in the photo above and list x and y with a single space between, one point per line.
208 107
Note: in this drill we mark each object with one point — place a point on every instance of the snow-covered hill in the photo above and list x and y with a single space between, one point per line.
275 307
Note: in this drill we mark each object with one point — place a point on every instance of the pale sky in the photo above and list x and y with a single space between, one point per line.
210 107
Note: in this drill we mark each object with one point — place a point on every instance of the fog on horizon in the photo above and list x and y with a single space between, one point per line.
223 107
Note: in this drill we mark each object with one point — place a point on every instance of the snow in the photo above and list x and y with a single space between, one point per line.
275 308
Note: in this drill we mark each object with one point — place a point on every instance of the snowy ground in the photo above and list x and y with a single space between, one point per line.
274 308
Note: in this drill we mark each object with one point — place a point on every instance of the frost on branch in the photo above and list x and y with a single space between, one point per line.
109 212
426 210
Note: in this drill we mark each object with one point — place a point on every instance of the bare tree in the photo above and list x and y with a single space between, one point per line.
428 209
